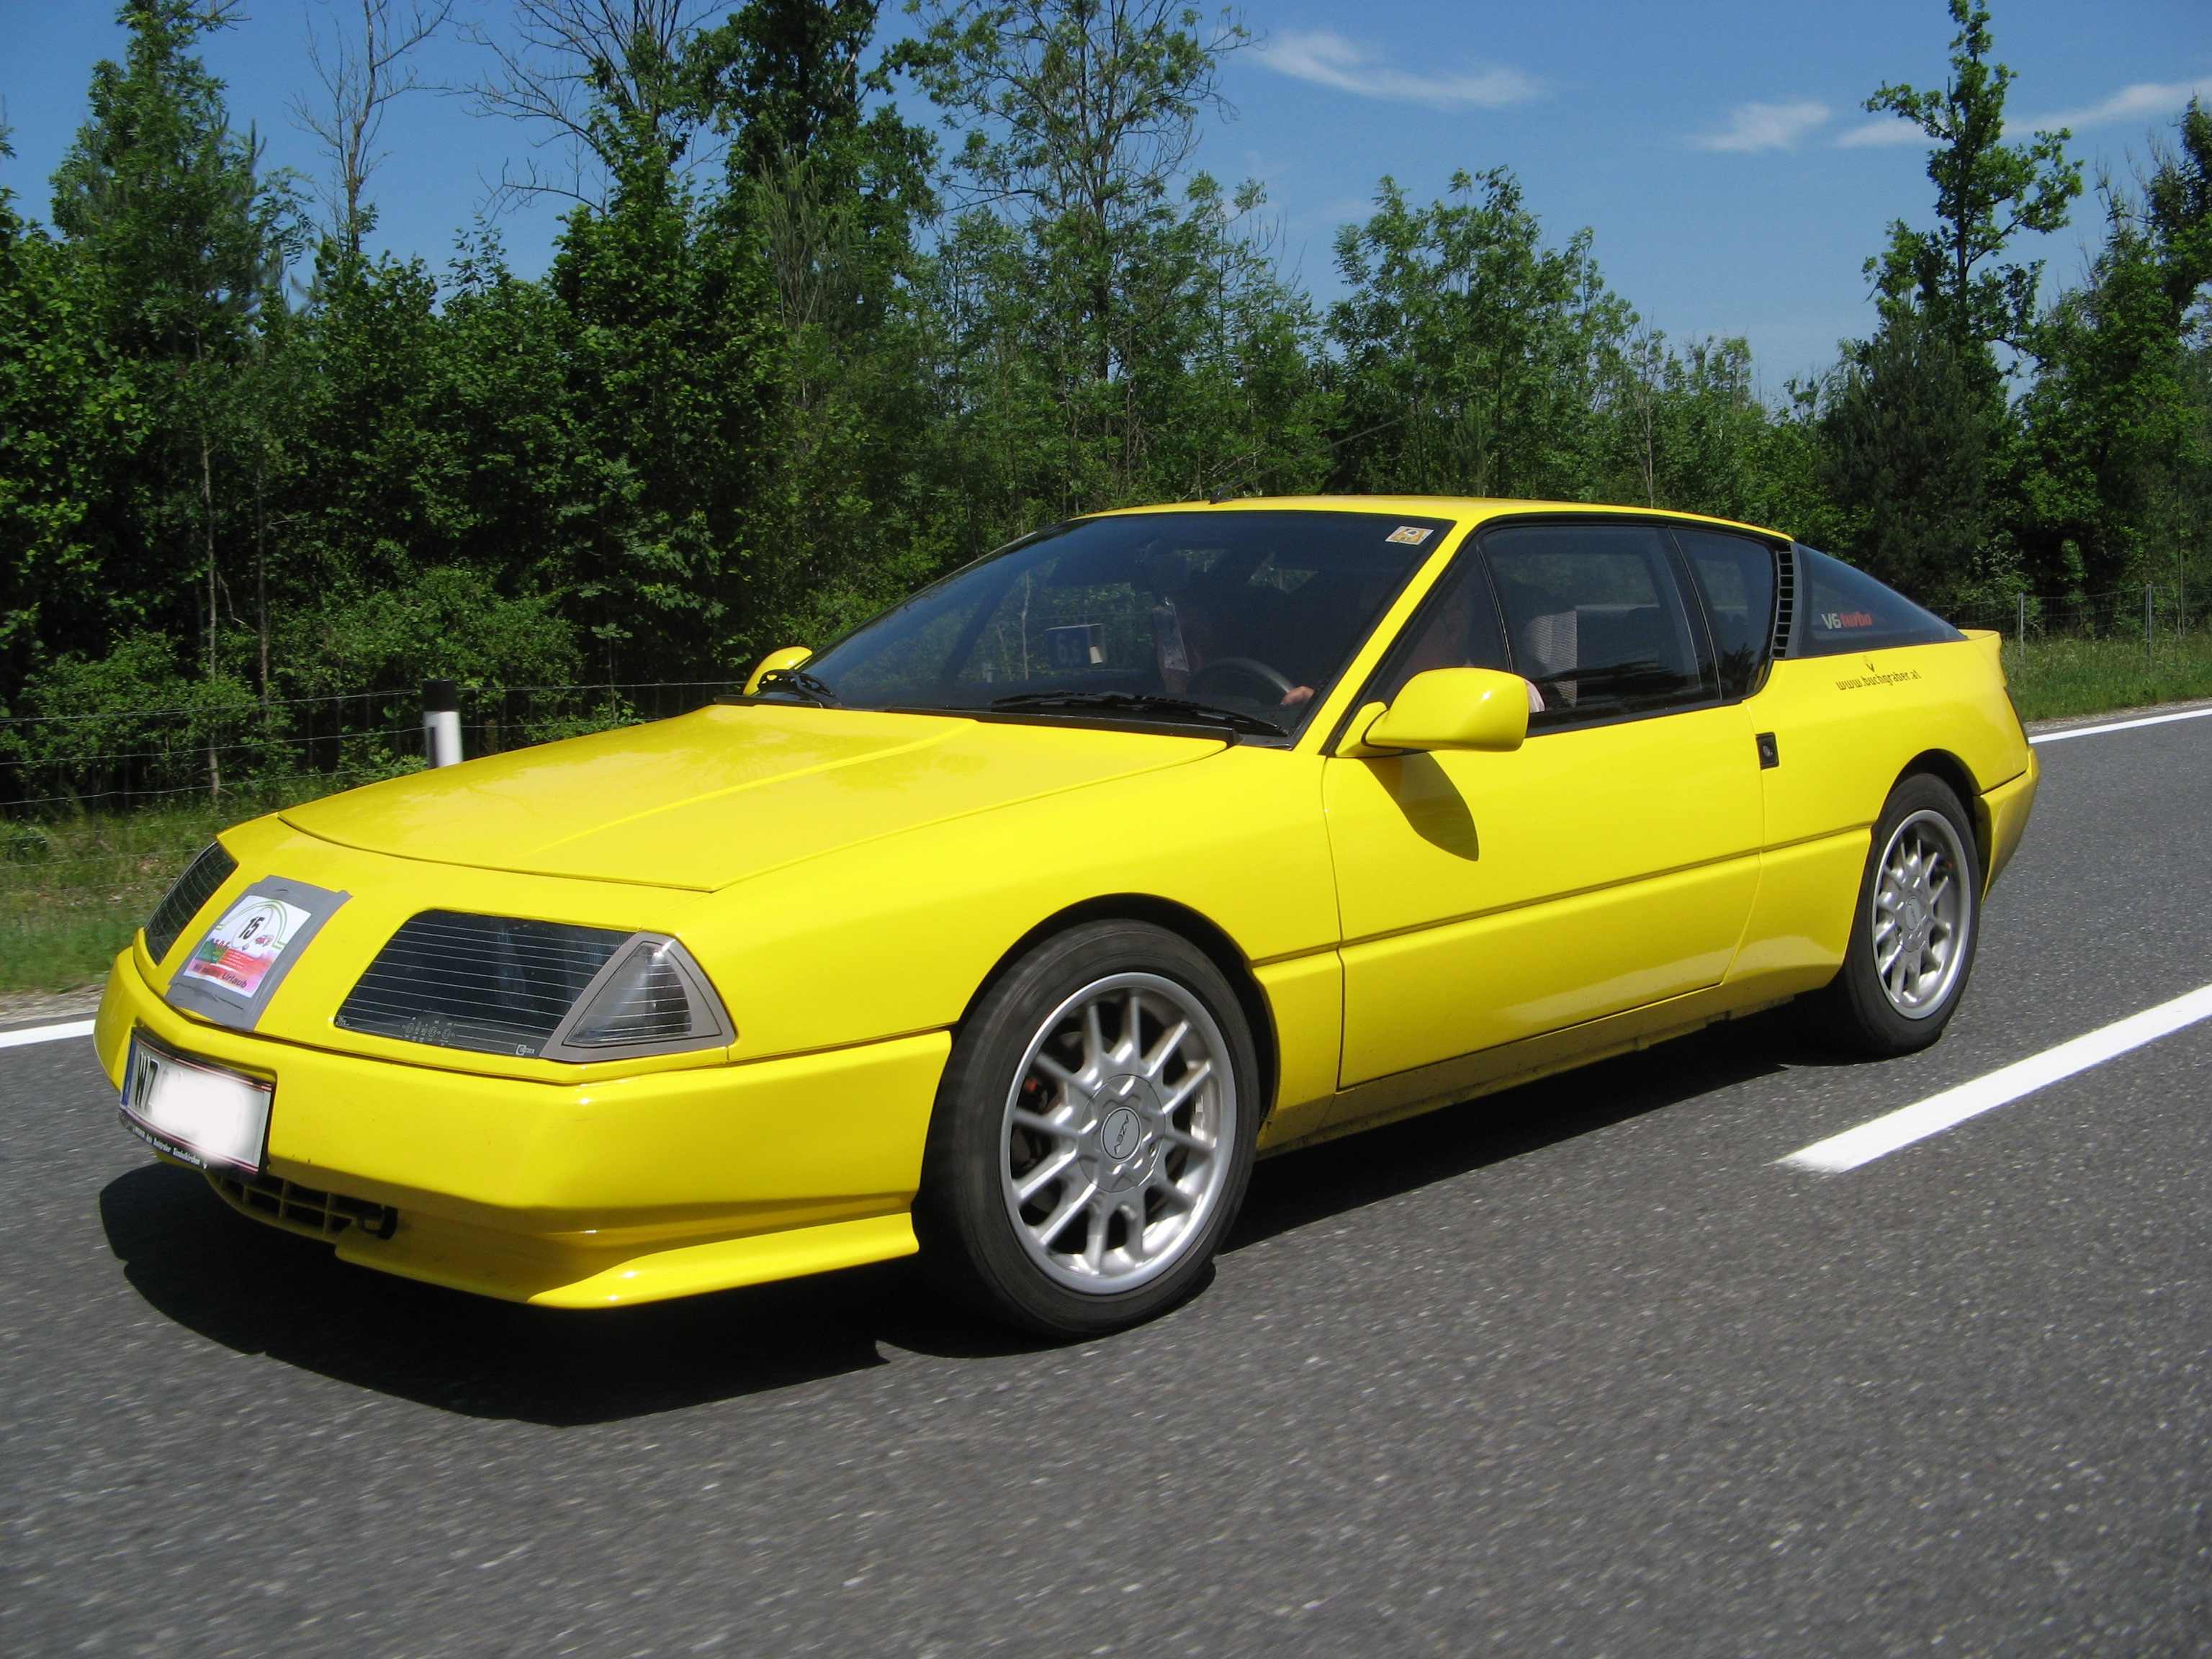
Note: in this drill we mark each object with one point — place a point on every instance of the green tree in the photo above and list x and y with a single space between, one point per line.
1077 118
186 243
669 331
1907 434
68 427
828 185
2117 420
1987 192
1686 428
1473 355
1920 412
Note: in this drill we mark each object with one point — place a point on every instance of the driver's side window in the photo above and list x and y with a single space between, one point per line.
1456 627
1597 620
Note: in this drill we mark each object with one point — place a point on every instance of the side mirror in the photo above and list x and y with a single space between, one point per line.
790 657
1454 709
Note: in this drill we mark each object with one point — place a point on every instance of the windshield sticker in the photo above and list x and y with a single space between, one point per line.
1835 621
235 968
1167 639
239 950
1076 647
1409 535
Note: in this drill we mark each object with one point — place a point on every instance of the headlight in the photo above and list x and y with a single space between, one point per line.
502 985
182 902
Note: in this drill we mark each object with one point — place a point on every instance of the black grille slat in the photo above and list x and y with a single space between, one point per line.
205 874
298 1209
493 984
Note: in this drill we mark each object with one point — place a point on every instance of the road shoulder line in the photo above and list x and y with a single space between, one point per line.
2119 725
75 1028
1939 1112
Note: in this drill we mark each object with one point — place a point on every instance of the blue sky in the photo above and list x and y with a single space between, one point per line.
1718 150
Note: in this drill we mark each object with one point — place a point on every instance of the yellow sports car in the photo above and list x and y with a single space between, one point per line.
1013 924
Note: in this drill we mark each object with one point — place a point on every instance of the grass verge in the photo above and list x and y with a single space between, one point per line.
2052 679
74 890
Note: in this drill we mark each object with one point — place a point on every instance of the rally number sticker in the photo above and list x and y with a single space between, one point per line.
239 950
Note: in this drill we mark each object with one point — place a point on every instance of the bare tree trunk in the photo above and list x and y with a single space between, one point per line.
207 526
261 574
361 76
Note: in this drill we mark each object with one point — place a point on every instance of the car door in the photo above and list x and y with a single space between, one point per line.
1609 863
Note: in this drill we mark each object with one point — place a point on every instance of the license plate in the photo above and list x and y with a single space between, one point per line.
194 1110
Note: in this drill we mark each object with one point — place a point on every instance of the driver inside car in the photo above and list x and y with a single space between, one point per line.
1461 631
1198 622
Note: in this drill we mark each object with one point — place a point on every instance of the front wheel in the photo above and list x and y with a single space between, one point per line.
1914 932
1092 1137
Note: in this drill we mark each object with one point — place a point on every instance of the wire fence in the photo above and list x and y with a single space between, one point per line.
2145 613
119 760
102 807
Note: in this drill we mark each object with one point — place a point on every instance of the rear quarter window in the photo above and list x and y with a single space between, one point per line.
1841 610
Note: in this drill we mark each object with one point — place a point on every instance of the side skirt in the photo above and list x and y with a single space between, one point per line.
1470 1077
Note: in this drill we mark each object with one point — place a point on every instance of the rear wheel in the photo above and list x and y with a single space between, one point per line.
1092 1137
1915 926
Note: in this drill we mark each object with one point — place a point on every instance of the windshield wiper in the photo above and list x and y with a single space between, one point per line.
800 682
1142 702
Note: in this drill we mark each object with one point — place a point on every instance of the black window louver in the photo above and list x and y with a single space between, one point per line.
498 985
1785 599
182 902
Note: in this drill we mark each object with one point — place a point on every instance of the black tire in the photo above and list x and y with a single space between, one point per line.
975 1235
1856 1012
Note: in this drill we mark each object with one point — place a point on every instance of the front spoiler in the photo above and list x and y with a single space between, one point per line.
587 1195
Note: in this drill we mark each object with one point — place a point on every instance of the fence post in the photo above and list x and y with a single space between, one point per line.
441 723
2022 636
2149 619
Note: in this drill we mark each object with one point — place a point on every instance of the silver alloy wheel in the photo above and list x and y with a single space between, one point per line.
1922 913
1115 1145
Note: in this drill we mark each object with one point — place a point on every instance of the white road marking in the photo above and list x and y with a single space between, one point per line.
76 1028
1937 1113
2121 726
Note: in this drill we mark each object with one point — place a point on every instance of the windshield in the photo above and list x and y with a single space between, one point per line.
1243 619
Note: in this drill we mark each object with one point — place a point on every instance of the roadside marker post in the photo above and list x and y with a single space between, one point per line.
441 722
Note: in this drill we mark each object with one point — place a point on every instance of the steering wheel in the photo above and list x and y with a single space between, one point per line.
1252 667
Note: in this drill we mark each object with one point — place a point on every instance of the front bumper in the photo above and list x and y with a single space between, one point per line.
586 1194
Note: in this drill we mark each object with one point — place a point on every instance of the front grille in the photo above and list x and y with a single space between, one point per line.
302 1210
498 985
182 902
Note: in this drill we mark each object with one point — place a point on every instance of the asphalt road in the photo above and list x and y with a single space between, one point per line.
1578 1369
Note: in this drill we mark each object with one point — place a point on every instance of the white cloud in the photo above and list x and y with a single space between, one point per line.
1752 127
1328 59
2146 101
1891 132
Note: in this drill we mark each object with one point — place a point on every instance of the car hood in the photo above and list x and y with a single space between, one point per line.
727 792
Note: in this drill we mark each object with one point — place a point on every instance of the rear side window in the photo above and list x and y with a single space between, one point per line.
1595 618
1736 576
1841 610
